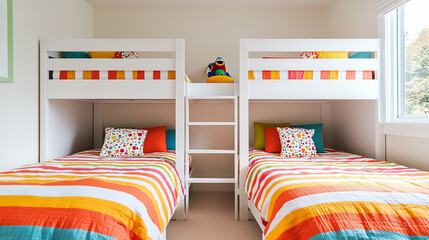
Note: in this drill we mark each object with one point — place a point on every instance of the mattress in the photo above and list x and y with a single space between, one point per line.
85 196
308 75
338 196
114 75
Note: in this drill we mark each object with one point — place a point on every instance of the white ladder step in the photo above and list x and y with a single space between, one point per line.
212 97
211 180
211 123
211 151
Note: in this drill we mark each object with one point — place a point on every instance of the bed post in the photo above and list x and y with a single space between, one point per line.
244 126
180 121
98 124
44 104
381 76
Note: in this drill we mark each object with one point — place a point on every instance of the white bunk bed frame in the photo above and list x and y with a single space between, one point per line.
98 92
319 90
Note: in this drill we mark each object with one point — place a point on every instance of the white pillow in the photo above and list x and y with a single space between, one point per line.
123 142
297 142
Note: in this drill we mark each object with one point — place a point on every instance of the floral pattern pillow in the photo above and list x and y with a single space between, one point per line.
297 142
123 142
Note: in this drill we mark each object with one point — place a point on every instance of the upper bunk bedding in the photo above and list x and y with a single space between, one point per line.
114 75
85 196
310 75
338 196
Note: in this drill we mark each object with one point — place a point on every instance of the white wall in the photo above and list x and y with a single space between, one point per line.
70 127
19 101
354 127
351 19
139 115
409 151
208 33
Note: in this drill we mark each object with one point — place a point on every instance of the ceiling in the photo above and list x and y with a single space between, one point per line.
206 4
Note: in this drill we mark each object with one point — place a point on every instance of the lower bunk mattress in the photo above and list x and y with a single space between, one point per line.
338 196
85 196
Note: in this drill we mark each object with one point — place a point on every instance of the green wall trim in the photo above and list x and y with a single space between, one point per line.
9 42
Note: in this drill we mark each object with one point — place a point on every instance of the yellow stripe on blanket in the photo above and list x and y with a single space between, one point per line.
172 75
120 75
87 75
275 75
285 188
71 75
143 189
323 209
308 75
148 193
251 75
122 213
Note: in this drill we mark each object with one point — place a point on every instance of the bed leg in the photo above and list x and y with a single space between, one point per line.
187 203
180 214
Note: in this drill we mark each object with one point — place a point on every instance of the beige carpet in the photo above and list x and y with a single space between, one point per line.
211 217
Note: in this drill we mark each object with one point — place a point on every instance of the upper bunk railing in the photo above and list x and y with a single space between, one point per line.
296 78
139 78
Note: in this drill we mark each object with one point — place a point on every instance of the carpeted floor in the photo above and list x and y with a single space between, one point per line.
211 217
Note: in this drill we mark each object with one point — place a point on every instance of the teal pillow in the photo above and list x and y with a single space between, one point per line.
76 55
362 55
317 137
171 139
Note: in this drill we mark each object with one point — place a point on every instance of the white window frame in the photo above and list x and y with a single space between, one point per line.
6 41
4 59
395 69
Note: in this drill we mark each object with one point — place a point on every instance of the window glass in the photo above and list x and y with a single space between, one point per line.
413 22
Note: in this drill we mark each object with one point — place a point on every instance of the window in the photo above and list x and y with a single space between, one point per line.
6 51
407 41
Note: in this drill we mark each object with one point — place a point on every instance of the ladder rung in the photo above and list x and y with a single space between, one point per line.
211 180
211 123
211 151
212 97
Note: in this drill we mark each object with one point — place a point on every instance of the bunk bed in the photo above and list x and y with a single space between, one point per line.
333 194
88 195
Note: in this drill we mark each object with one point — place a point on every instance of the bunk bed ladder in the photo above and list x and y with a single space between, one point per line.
234 152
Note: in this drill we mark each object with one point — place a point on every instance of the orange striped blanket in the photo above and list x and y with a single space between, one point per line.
307 75
85 196
114 75
338 196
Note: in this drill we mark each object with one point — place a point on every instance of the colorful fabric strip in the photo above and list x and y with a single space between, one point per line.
36 232
307 75
338 196
85 196
114 75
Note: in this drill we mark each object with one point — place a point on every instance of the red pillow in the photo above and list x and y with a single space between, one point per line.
155 140
272 140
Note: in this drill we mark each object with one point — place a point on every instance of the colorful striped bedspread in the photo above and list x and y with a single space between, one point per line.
114 75
338 196
85 196
309 75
